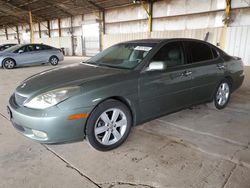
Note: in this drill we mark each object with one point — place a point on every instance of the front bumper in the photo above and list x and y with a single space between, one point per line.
52 121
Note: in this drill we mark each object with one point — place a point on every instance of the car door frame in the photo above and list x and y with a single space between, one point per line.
215 71
26 57
179 71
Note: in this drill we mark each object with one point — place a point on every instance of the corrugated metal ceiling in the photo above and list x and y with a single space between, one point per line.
13 12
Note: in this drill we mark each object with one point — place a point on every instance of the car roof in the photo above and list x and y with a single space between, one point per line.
154 40
7 44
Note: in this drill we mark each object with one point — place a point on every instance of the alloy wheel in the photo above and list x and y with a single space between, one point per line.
9 64
222 94
54 61
110 126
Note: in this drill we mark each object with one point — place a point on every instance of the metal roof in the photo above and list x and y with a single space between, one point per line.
13 12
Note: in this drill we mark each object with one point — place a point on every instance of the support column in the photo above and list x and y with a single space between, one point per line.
48 24
17 33
59 27
39 30
150 15
72 36
103 29
149 10
31 28
6 33
226 22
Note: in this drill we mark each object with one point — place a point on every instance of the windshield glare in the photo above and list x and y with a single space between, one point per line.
126 55
13 48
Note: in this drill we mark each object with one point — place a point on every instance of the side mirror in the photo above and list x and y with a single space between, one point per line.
156 65
20 51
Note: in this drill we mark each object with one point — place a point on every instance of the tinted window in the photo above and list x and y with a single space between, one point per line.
45 47
170 54
215 53
29 48
37 47
20 49
197 51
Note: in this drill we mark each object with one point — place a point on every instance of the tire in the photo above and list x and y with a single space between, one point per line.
53 60
9 63
222 94
102 132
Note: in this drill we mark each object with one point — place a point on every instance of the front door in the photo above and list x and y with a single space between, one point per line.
164 91
27 55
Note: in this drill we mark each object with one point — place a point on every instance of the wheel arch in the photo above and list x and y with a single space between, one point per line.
230 80
122 100
8 58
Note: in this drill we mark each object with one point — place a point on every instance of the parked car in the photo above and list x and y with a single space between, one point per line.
125 85
27 54
6 46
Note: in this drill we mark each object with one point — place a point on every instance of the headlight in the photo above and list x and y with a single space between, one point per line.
52 98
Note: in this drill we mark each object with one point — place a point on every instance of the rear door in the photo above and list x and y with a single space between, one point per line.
38 53
163 91
47 52
207 69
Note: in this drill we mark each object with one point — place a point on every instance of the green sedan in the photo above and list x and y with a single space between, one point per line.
125 85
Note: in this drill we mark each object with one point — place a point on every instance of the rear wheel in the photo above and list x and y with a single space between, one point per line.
222 95
108 125
53 60
9 63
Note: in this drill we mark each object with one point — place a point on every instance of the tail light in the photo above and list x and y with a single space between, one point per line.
61 50
241 64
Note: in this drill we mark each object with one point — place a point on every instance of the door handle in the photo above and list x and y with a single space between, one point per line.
186 73
221 66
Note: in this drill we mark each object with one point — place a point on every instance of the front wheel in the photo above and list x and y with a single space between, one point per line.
222 95
53 60
108 125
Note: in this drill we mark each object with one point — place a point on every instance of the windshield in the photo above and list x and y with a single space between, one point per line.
13 48
125 55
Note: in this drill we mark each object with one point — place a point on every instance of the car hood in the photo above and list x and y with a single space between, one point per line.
3 53
71 75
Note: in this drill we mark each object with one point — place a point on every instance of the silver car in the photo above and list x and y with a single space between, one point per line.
28 54
6 46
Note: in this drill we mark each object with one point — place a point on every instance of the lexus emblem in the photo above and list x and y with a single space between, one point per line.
23 85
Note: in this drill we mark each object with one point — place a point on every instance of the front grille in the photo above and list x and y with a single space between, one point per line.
19 99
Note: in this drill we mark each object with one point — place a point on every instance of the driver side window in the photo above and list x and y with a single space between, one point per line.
171 54
22 49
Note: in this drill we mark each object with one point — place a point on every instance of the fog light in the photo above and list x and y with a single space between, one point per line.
39 134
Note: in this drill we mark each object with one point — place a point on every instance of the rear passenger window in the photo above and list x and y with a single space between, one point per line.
37 47
45 47
215 53
197 51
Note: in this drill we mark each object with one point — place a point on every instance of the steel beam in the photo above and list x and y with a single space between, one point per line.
59 27
31 27
149 10
48 24
39 30
6 33
17 35
226 23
